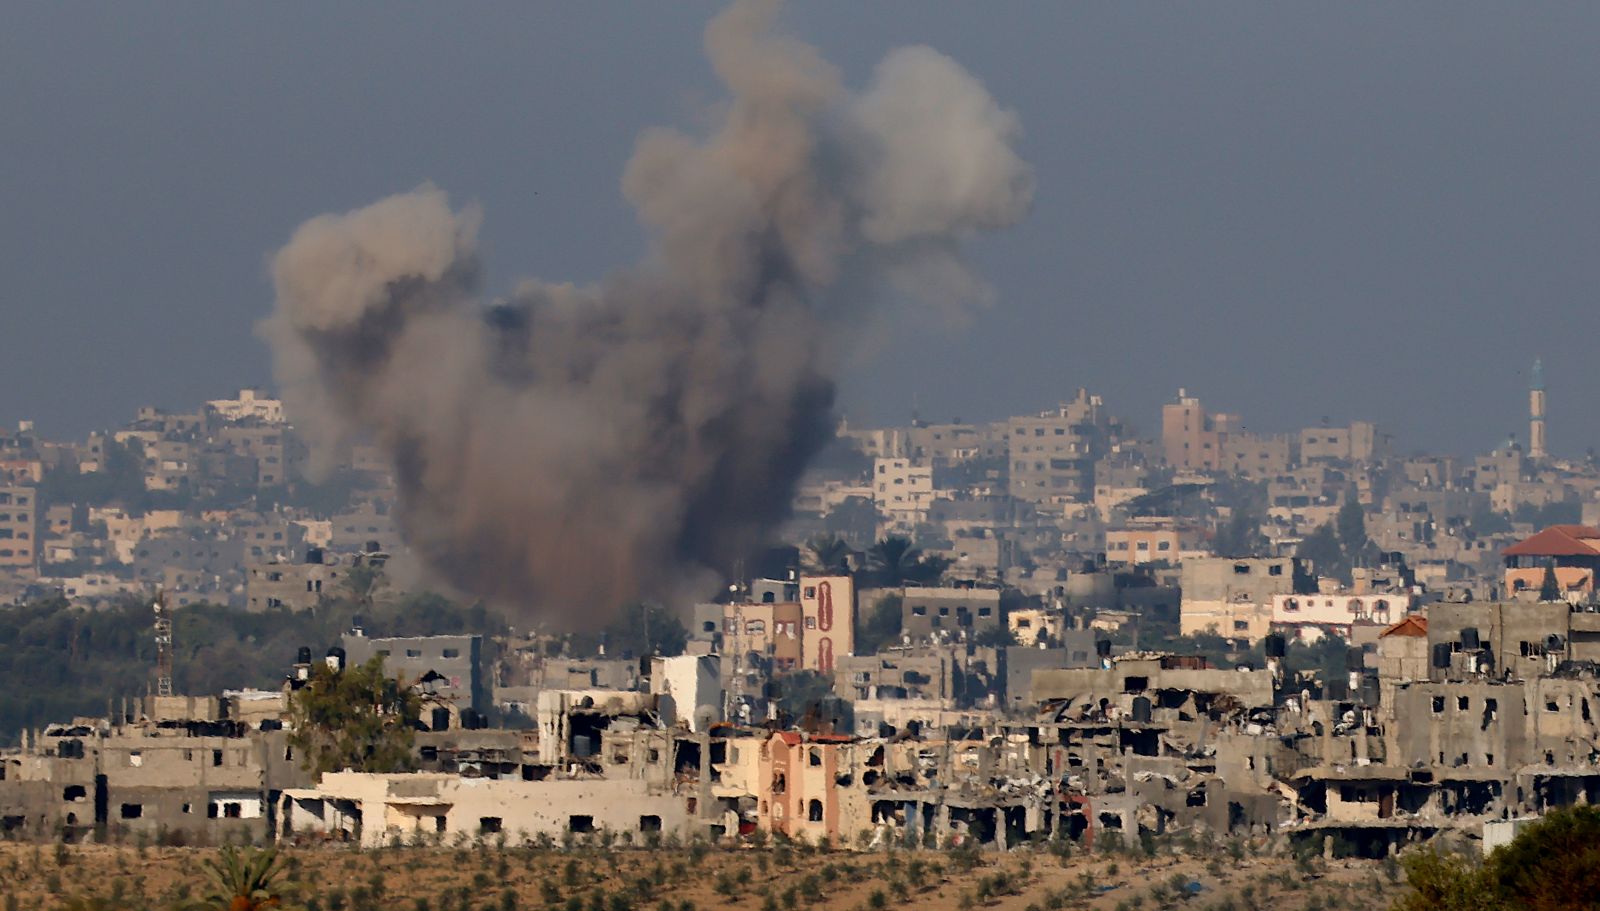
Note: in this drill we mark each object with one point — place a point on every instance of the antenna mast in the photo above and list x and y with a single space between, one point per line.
163 631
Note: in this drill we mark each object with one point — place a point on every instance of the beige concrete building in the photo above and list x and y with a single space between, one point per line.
1052 454
1191 437
19 528
1234 598
376 810
902 490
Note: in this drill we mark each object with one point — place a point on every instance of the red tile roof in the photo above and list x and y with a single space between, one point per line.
1558 541
1414 625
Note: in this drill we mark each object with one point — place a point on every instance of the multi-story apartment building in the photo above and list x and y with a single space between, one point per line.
19 528
1191 437
902 490
1052 454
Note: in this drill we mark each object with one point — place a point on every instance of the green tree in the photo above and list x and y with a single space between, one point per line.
359 719
801 691
247 880
826 554
1549 588
1323 548
855 519
1553 865
637 630
1352 527
1241 536
894 562
881 627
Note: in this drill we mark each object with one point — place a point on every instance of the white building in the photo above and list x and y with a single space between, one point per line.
902 491
250 404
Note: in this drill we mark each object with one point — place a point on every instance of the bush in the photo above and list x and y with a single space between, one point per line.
1553 864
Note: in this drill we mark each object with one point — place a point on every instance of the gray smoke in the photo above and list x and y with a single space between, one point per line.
571 448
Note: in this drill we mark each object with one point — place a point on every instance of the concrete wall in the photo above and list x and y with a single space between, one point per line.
379 809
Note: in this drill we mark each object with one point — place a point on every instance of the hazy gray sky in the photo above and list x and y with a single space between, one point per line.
1296 210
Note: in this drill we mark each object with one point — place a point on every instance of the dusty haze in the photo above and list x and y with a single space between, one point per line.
572 448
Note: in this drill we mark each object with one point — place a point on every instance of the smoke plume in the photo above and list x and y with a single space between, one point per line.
570 448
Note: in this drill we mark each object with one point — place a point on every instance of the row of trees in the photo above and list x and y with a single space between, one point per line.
1553 865
58 661
890 563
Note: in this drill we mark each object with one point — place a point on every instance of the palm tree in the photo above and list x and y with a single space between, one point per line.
243 880
826 554
892 560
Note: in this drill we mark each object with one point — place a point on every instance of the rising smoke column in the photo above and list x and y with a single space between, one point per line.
571 448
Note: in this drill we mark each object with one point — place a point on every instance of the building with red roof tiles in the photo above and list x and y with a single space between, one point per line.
1572 551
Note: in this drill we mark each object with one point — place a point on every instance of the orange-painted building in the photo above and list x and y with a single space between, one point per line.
1572 551
799 778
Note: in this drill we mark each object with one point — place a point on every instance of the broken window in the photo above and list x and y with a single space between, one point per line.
488 825
74 792
649 823
132 810
814 810
1438 704
579 824
816 756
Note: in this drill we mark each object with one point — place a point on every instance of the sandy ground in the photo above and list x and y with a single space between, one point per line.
484 878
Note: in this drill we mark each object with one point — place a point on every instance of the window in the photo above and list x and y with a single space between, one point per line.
74 793
1462 702
816 756
755 627
1164 546
451 653
1241 569
985 611
650 824
488 825
216 757
1438 704
1275 569
1241 626
578 824
814 811
413 653
132 810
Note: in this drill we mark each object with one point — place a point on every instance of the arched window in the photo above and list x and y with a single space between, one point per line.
814 811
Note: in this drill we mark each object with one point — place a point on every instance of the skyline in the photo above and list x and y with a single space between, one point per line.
1366 213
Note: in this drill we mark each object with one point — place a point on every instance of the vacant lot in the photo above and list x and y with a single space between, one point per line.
697 878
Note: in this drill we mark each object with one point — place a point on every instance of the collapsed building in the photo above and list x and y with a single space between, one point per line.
1471 715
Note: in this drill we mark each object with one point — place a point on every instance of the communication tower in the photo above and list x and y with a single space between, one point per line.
163 631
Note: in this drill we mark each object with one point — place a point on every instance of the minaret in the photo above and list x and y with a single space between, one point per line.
1536 412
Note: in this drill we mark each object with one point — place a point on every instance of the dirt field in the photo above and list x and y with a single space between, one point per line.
697 878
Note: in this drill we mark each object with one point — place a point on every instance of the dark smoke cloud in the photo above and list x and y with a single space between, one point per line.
571 448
